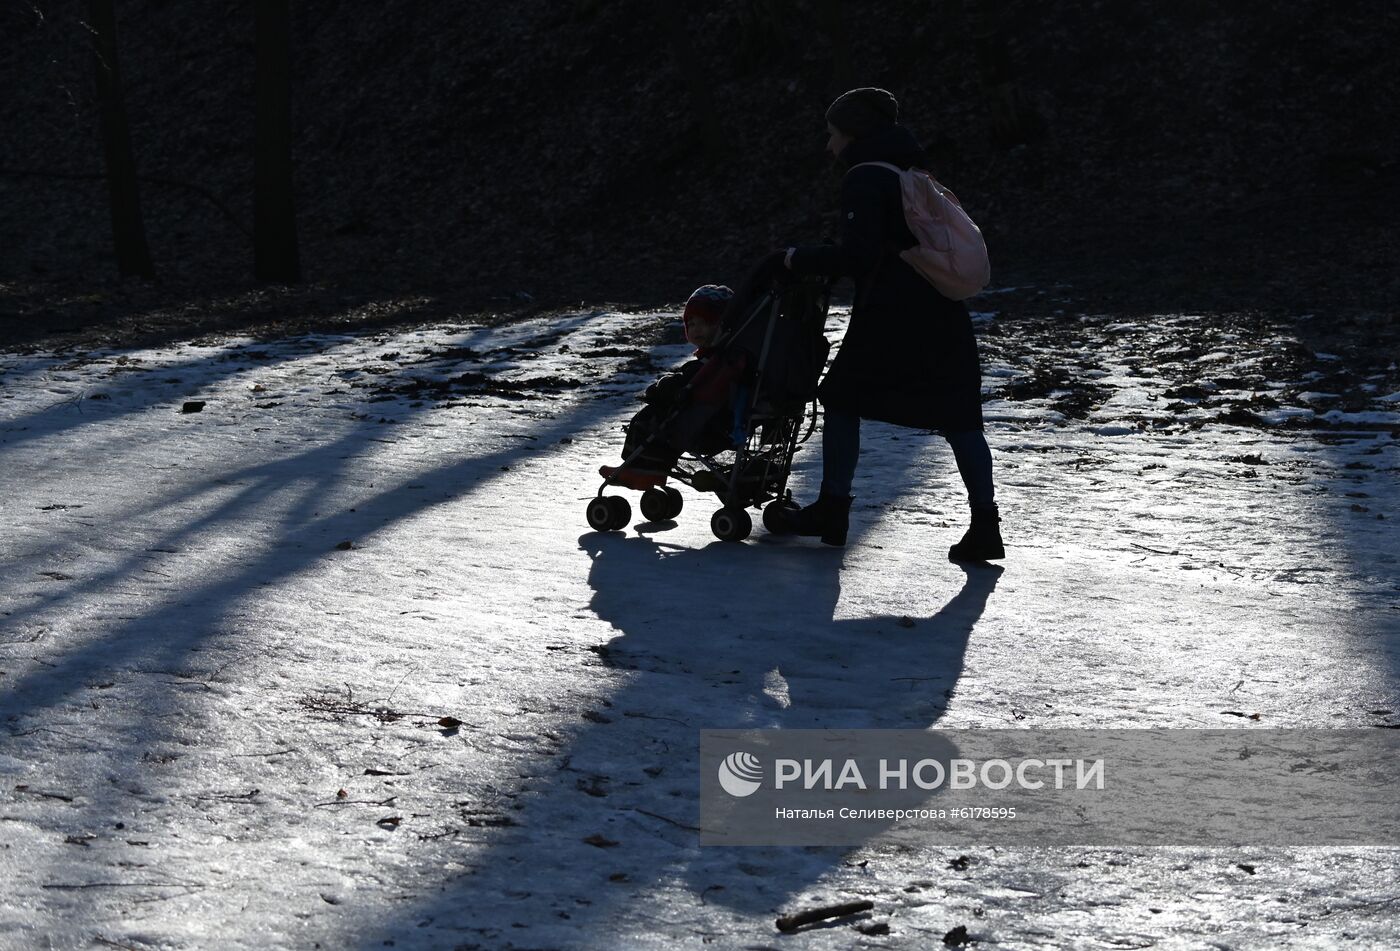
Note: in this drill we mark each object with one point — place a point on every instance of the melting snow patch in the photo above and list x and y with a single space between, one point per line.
1285 413
775 686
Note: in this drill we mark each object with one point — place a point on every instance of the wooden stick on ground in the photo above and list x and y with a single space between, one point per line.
790 923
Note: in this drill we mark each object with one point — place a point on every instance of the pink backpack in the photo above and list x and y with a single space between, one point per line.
950 254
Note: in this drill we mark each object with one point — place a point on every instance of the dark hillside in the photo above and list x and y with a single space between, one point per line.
488 156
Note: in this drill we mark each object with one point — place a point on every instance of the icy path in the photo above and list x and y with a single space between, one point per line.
220 723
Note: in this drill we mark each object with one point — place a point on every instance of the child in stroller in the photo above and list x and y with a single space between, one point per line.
663 429
728 421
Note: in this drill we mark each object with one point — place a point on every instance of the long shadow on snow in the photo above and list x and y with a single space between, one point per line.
67 322
1367 345
298 547
323 465
63 415
197 611
727 636
163 637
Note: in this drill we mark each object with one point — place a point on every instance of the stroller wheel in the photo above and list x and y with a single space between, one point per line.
677 500
607 513
599 514
777 516
657 504
621 512
731 525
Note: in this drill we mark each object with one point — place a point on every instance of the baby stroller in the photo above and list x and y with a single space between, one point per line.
743 453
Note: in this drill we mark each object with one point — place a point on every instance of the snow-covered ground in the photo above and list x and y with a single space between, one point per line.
229 640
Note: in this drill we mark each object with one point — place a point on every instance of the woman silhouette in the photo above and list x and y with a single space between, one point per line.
909 356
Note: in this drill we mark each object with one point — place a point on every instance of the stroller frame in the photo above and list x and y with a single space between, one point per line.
762 461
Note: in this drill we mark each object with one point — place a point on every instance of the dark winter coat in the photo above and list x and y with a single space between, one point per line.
909 356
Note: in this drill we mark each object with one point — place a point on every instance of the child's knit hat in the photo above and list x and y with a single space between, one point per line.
704 313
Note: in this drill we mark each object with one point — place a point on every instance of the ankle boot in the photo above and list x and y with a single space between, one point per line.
982 541
827 518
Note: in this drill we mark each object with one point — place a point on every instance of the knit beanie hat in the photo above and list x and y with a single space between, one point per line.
704 313
862 111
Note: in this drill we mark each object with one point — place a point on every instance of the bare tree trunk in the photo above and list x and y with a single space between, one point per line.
701 99
834 26
763 31
1012 123
128 231
275 256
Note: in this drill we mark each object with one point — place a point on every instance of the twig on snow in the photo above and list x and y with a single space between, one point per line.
248 797
790 923
42 794
648 716
678 825
114 944
381 712
356 802
64 886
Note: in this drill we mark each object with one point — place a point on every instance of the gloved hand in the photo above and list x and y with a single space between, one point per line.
664 390
669 387
772 267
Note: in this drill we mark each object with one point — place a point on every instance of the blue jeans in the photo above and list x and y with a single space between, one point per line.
841 450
